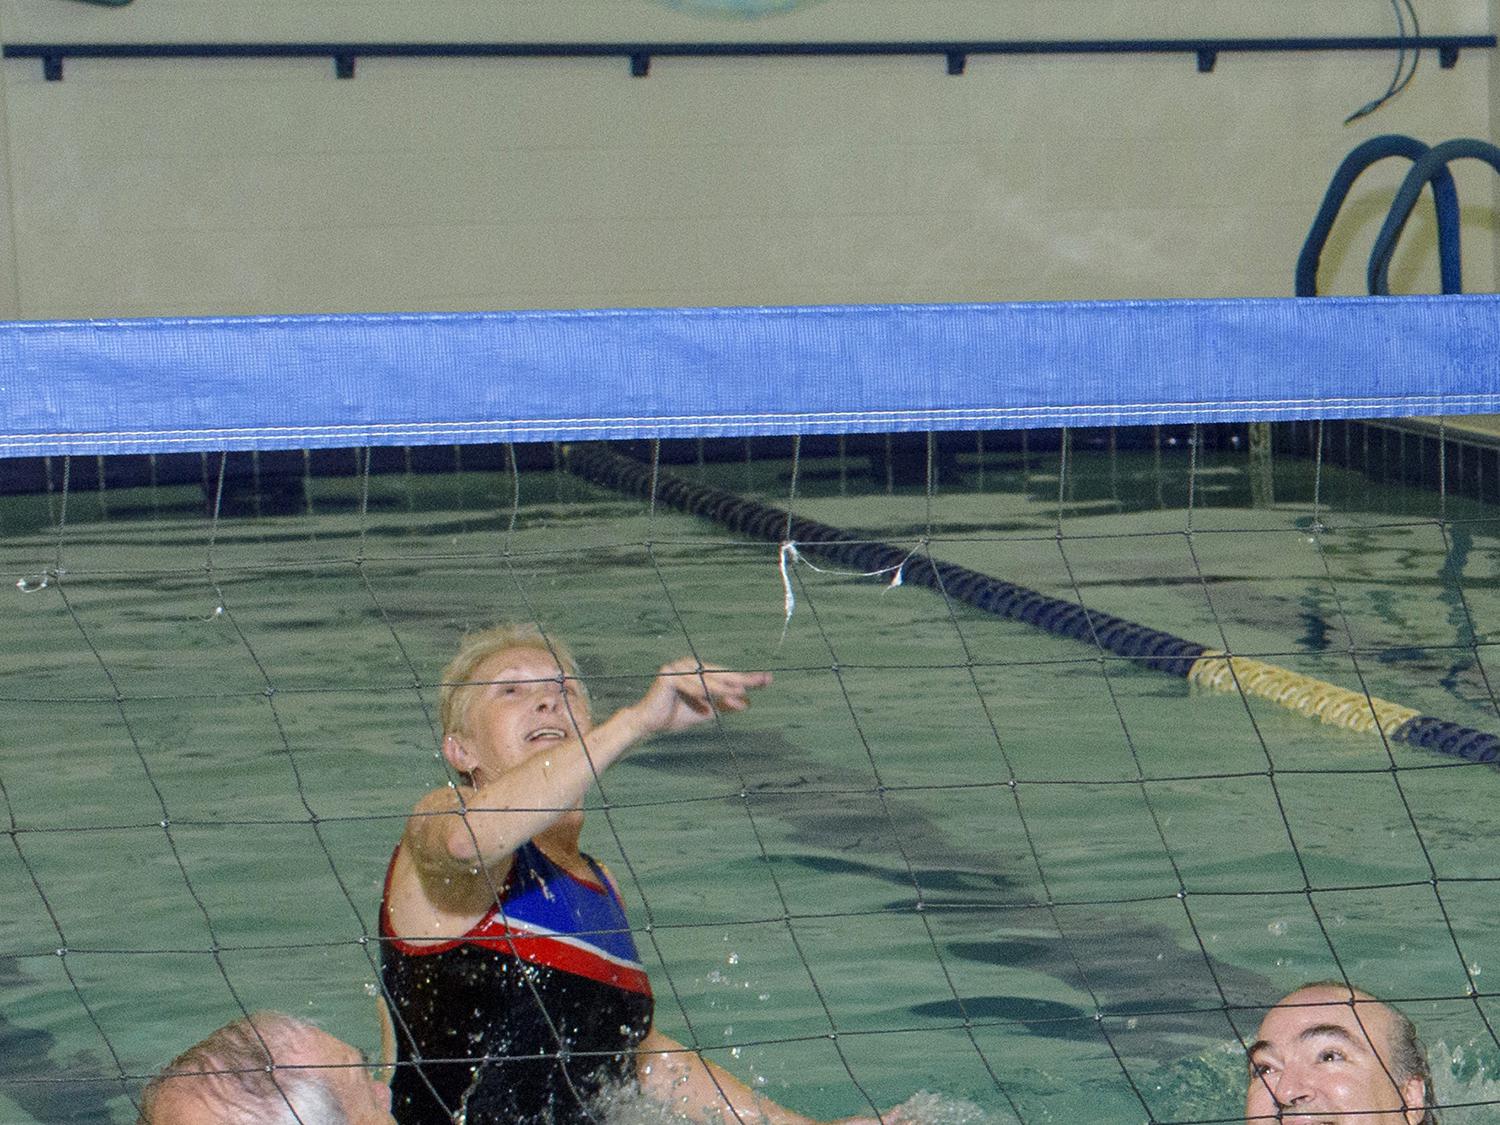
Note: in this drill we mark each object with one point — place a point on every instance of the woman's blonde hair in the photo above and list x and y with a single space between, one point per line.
475 649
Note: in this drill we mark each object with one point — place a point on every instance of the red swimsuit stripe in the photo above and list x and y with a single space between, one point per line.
558 951
532 943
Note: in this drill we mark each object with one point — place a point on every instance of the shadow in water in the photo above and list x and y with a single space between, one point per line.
34 1078
1158 997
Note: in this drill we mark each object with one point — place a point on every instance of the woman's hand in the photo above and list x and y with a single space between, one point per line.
686 693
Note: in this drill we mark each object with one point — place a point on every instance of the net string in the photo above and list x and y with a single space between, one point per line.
391 1009
506 558
788 554
606 806
124 716
552 1028
1142 785
658 566
786 915
1319 533
1309 890
222 609
1014 785
920 904
1218 626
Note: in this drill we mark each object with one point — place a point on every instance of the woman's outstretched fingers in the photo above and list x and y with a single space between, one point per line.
730 690
686 692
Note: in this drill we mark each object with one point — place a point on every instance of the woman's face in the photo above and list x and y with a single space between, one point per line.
521 704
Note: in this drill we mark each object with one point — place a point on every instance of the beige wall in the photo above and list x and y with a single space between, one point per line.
154 187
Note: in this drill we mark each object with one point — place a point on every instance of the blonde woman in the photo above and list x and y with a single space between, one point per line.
519 995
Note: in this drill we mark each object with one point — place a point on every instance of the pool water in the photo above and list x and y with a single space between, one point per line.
946 860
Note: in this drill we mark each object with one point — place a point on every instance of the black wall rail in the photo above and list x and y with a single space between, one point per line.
639 55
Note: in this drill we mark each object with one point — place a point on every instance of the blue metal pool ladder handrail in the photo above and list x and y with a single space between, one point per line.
1432 167
1445 199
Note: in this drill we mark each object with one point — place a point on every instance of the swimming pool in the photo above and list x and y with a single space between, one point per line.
258 682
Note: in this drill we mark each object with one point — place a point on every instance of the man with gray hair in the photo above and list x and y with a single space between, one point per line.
1329 1051
267 1069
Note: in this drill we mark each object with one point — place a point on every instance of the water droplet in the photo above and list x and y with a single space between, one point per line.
734 1052
1475 970
32 585
758 1080
371 989
728 1031
1132 1023
733 958
765 996
1278 927
627 1030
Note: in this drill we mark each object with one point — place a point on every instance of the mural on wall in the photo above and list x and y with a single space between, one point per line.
738 9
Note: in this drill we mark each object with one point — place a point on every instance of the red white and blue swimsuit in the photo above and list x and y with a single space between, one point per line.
525 1018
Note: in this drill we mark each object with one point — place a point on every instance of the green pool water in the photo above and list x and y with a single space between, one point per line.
943 853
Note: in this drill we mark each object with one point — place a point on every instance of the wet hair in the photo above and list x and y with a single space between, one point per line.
475 649
234 1076
1407 1058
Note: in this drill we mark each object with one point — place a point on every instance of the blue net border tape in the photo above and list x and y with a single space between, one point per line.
1147 647
211 384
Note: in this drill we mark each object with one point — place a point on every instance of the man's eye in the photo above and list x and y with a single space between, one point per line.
1259 1069
1329 1054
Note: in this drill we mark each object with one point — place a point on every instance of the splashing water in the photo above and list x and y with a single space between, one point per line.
1467 1077
628 1106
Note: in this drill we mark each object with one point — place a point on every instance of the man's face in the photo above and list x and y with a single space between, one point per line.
1319 1059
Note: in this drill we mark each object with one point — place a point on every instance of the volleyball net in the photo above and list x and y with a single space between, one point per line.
1034 818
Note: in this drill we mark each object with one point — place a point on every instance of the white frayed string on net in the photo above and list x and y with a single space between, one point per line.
789 554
